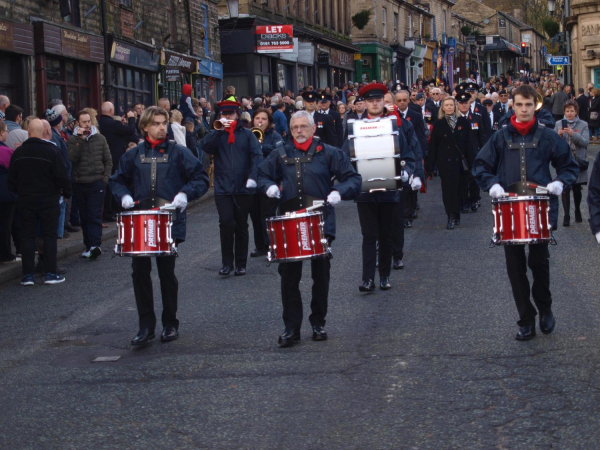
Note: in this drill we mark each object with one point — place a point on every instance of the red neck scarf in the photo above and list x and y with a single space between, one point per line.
230 130
154 144
303 147
522 127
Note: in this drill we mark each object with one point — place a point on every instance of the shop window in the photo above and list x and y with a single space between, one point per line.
132 86
7 77
69 81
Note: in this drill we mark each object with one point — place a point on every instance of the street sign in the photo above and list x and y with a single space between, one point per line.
471 39
559 60
451 50
544 50
481 39
526 37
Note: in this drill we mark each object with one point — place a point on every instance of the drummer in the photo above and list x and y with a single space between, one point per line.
377 211
497 170
158 172
320 164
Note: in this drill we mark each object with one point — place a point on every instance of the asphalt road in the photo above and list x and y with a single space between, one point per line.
430 364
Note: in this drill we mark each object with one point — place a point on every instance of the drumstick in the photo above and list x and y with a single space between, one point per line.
535 186
509 194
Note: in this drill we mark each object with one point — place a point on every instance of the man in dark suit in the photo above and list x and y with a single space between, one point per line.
325 104
412 104
118 136
324 122
584 105
489 105
476 107
435 98
501 108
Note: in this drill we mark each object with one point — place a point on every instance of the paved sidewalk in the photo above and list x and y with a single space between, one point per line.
74 244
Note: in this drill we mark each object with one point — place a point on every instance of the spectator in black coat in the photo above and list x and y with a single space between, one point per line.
584 105
190 137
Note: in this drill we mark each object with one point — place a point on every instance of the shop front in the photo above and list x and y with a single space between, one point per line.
501 57
584 26
209 84
286 69
16 46
401 62
306 65
132 74
416 61
375 62
67 67
177 70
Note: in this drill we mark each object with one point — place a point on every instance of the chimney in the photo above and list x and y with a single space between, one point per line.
518 13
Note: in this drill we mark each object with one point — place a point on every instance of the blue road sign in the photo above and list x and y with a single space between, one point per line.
544 50
559 61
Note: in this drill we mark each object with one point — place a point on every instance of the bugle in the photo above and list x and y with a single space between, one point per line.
219 124
260 135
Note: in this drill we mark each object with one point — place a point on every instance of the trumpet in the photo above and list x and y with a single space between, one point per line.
260 135
539 101
219 124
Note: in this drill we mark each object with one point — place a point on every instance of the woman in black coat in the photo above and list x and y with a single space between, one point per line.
594 122
447 148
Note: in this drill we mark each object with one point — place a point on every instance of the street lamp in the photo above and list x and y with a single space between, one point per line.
234 8
551 6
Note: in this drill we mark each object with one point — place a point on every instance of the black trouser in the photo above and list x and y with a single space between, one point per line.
516 266
291 274
32 216
376 224
233 225
262 207
566 198
410 203
398 239
16 231
110 205
90 197
144 297
7 212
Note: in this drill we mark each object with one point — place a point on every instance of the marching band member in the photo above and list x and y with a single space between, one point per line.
377 211
497 168
324 122
237 157
160 172
320 163
263 206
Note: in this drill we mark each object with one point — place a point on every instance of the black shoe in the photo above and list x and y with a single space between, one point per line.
567 221
144 336
578 218
72 229
384 283
367 286
526 333
65 235
398 264
474 207
451 222
464 209
239 271
225 271
547 322
256 253
95 252
319 334
289 338
169 334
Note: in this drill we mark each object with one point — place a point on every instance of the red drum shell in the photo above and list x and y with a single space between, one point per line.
521 220
297 236
144 233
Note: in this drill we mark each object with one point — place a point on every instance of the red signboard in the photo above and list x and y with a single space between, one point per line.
274 39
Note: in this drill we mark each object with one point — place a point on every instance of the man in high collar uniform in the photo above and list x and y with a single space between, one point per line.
476 107
501 107
489 105
325 104
324 122
435 98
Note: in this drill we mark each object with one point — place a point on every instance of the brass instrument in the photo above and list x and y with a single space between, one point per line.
539 101
219 124
260 135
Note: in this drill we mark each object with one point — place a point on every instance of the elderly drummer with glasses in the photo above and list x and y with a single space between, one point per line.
301 173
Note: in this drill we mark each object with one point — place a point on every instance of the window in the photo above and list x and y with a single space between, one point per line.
205 25
420 25
433 30
168 10
71 5
127 3
444 24
384 20
69 81
410 31
130 86
396 25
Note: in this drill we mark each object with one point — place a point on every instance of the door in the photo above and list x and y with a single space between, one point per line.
597 77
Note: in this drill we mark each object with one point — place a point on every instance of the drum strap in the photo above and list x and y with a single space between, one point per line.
298 163
164 159
522 147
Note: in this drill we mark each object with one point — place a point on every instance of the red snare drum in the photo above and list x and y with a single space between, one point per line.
297 236
144 233
521 220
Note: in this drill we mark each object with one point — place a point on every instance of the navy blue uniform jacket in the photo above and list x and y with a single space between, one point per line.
235 163
594 196
270 140
183 173
317 175
495 163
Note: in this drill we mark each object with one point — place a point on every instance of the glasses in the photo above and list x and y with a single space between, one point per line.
301 127
436 93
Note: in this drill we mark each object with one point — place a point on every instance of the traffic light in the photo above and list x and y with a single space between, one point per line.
523 48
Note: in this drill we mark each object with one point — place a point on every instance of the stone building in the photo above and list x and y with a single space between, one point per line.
323 54
118 50
584 26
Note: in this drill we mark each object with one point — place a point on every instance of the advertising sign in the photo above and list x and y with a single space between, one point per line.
274 39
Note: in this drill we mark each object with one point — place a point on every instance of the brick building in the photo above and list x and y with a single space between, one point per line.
583 24
118 50
323 53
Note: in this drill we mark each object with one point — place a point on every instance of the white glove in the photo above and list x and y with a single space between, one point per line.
180 201
127 202
404 176
598 237
250 184
273 192
334 198
496 191
416 184
555 188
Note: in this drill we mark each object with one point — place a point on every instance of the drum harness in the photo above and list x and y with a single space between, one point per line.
522 186
154 161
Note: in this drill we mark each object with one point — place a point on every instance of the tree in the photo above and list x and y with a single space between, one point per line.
466 30
362 18
551 27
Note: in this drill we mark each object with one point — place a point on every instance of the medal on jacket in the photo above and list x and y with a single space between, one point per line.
474 126
320 125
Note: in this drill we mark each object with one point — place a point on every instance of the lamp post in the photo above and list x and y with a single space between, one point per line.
233 6
551 6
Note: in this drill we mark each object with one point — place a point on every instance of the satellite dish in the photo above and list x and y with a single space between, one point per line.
486 21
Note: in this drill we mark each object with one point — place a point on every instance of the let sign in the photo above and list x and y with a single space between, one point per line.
274 39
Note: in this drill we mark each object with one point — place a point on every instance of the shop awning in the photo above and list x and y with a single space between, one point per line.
502 45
